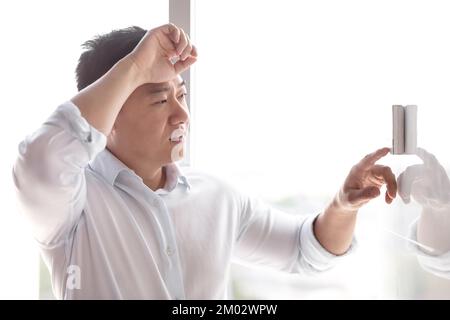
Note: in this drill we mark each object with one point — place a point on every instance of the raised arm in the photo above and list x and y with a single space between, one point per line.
49 173
149 62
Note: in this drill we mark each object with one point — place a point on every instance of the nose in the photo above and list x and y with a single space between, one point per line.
180 113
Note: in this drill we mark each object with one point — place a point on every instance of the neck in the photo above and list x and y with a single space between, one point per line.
154 180
153 176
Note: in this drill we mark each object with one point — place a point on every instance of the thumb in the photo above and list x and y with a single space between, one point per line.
181 66
361 196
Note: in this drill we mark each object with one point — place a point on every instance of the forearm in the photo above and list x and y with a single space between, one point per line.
433 230
334 228
101 102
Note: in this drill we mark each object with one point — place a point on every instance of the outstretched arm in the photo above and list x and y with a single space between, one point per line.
335 226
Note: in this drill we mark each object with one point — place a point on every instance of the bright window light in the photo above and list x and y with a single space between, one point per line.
291 94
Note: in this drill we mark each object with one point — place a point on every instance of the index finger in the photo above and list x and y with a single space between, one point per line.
426 157
172 31
370 159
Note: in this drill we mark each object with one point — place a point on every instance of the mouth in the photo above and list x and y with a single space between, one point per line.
177 136
177 140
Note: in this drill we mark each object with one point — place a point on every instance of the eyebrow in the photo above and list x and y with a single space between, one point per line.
163 88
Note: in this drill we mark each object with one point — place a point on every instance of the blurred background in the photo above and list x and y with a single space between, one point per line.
286 96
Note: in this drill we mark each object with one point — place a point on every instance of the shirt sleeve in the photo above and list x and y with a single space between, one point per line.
49 173
283 241
438 265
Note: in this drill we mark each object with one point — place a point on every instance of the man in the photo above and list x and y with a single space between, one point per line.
123 221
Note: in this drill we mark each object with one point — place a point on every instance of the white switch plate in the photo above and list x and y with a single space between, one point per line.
404 129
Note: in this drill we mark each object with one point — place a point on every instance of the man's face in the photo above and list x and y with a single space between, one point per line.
149 125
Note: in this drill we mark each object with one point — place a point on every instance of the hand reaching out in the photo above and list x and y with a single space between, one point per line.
364 181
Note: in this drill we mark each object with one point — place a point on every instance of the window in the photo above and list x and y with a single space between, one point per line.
290 94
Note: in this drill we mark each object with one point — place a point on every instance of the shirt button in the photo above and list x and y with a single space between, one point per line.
169 251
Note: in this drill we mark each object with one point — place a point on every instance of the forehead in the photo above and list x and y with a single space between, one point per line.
174 83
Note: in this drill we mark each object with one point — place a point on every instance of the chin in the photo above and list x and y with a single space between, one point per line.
177 152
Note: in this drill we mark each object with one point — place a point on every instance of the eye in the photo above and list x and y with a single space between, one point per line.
161 102
182 96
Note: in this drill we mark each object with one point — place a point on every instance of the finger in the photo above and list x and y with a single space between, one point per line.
182 43
427 158
385 173
358 197
194 52
406 179
167 45
403 191
172 31
371 158
187 51
180 65
387 198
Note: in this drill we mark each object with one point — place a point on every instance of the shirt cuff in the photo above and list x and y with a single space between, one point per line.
314 253
68 117
438 265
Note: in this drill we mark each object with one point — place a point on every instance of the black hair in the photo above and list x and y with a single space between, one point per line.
103 52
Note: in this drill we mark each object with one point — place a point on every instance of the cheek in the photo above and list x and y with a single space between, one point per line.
142 127
150 129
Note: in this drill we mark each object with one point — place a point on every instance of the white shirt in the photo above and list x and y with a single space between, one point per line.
105 235
438 265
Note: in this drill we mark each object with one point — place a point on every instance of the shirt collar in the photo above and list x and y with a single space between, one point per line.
109 167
